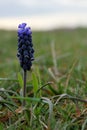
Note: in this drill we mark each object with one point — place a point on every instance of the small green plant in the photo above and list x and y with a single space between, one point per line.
25 51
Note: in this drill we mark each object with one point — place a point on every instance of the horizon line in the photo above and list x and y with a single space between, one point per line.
45 22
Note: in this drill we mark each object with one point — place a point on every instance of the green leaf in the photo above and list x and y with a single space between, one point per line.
35 83
29 99
39 79
20 80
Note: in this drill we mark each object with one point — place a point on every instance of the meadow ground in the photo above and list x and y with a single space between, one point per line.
56 85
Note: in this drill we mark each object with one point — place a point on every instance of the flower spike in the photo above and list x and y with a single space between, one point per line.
25 47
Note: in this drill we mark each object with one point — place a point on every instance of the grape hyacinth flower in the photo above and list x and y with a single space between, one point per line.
25 47
25 51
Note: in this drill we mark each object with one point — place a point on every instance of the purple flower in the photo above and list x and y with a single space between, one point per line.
25 47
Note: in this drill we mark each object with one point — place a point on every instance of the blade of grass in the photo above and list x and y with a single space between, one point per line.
35 83
48 101
3 102
84 125
39 79
28 99
8 91
54 57
20 80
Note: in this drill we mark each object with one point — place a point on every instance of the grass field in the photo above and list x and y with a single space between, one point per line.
56 85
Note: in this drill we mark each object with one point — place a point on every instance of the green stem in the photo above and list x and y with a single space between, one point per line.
24 87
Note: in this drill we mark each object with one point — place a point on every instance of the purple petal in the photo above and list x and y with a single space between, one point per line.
23 25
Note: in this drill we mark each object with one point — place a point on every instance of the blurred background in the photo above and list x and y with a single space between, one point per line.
43 14
62 22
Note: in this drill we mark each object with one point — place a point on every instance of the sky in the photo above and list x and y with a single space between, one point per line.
53 12
13 8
